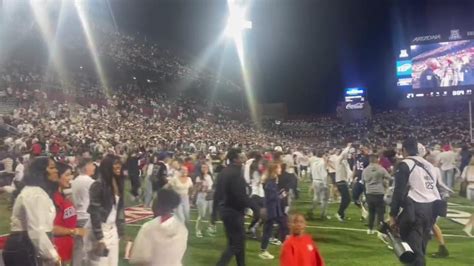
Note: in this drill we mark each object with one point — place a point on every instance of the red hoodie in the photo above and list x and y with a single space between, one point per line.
300 251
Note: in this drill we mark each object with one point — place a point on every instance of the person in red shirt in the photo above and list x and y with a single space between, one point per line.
65 222
36 148
299 248
188 163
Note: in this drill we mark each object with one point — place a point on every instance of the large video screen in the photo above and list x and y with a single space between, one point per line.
445 64
355 94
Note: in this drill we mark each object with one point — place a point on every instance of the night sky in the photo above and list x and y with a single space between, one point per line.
300 52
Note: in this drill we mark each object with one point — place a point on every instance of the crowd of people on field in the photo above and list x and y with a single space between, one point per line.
76 145
85 197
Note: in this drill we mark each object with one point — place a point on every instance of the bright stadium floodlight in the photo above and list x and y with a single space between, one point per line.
236 23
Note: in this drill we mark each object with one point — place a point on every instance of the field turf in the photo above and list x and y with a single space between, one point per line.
340 243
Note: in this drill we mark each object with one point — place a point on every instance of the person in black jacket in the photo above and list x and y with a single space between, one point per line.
106 208
134 175
287 182
232 201
160 173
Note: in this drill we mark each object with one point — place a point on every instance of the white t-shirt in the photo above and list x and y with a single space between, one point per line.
447 159
332 161
80 195
247 165
34 213
303 160
179 187
19 171
206 184
318 170
468 174
423 188
256 185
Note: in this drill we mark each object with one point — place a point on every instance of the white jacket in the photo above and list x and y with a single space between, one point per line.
160 244
343 171
318 171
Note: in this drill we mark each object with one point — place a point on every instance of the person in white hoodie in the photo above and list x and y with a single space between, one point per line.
319 175
163 240
343 172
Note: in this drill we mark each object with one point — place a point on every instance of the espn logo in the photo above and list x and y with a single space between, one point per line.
404 68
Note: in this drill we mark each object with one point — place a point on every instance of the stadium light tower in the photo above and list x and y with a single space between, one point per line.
236 23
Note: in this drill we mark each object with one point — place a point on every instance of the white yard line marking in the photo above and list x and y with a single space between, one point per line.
326 228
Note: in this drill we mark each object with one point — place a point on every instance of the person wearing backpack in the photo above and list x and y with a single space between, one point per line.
415 191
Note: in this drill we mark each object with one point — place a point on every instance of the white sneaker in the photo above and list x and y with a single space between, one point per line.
211 230
265 255
370 232
339 218
275 241
198 234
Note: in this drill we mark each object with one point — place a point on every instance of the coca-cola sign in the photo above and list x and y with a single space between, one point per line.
354 106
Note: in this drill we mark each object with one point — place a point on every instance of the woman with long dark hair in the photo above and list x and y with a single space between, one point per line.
65 223
32 218
107 213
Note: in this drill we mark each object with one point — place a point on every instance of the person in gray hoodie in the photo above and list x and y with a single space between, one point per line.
376 181
320 187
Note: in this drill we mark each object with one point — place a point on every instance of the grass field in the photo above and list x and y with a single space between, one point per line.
340 243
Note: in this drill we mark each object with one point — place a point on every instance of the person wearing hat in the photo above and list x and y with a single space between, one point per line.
232 200
163 240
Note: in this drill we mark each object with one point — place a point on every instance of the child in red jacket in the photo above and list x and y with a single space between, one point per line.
299 248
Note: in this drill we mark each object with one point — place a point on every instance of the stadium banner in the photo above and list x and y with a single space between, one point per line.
445 36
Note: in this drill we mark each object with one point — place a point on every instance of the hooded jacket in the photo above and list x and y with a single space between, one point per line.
160 243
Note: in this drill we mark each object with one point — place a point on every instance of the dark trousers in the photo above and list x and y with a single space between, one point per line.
19 250
135 182
256 208
357 191
415 226
376 205
345 198
268 228
235 233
